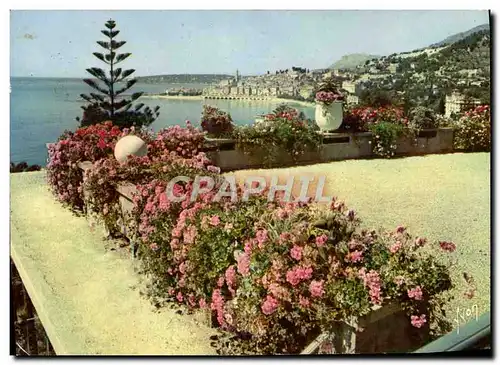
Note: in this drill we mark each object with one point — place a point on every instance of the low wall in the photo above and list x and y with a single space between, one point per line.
335 147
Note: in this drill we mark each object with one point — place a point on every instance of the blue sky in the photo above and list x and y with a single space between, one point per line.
60 43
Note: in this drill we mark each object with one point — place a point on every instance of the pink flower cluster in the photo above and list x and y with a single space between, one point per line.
372 280
298 274
316 288
270 305
418 321
185 142
415 293
328 97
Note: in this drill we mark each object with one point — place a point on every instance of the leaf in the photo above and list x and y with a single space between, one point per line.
129 84
136 96
110 24
122 57
114 33
86 97
97 97
106 33
138 106
116 73
103 44
127 73
115 45
100 56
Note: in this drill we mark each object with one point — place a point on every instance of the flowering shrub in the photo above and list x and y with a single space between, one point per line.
294 280
265 142
187 142
360 119
473 130
384 138
86 144
215 121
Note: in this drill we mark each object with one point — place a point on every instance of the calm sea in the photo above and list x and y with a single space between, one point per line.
41 109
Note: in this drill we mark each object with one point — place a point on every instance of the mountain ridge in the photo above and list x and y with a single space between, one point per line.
352 60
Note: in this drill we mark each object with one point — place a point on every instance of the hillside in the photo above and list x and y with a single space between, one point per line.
350 61
424 77
459 36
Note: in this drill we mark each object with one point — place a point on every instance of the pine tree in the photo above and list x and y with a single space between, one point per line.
109 103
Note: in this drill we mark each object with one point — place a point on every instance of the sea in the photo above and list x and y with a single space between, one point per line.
41 109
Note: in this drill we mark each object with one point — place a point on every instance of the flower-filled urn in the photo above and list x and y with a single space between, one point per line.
130 146
329 107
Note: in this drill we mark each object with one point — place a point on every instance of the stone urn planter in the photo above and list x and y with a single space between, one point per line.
130 145
329 117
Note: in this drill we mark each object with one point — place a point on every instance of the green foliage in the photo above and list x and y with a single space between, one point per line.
109 103
266 141
376 97
422 118
384 138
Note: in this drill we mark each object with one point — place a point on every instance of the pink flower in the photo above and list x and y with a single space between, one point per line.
296 252
261 236
180 297
270 305
316 288
418 321
355 256
447 246
373 282
415 293
215 220
230 276
202 303
321 240
284 237
244 264
304 302
190 234
298 274
396 247
400 229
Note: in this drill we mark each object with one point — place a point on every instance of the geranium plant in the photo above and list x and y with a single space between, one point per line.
266 141
216 122
328 93
473 130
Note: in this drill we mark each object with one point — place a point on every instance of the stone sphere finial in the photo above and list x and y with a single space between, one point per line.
130 145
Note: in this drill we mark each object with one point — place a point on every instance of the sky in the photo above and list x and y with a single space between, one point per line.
53 43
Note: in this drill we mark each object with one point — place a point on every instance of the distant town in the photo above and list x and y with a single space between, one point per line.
445 76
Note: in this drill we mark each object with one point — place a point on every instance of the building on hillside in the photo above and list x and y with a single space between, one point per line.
456 103
352 87
352 99
392 68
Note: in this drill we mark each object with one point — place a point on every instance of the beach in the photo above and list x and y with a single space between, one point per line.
201 97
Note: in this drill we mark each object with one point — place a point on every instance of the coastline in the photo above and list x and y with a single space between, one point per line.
201 98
